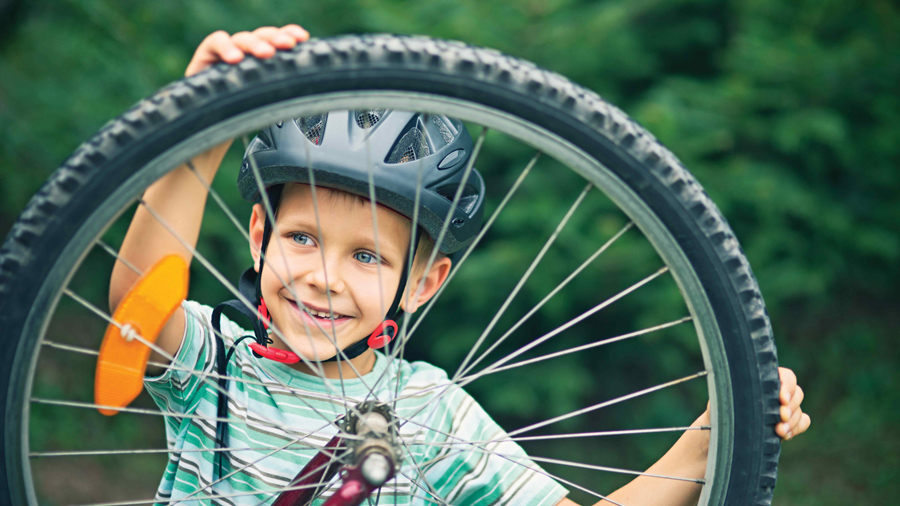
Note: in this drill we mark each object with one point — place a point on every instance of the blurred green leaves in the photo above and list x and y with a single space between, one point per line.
787 113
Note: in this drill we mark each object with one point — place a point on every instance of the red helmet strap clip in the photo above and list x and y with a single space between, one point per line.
380 338
263 312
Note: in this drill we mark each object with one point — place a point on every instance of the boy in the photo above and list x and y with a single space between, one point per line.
323 298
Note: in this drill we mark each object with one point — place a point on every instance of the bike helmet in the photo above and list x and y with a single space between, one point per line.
343 149
398 149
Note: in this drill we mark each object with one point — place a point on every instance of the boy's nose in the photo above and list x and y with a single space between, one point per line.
325 278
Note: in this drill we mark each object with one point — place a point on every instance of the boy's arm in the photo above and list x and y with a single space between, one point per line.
687 458
179 197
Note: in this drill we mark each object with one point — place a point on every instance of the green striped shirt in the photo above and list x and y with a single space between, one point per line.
278 418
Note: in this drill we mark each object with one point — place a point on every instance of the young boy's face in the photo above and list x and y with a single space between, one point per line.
338 257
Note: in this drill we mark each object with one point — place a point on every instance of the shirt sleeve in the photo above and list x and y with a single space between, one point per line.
175 390
492 471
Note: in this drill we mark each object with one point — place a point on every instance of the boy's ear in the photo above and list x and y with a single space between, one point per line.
426 285
257 228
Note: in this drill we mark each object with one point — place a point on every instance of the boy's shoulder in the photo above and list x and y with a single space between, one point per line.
199 315
421 373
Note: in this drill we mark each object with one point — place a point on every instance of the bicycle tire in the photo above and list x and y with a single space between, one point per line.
60 222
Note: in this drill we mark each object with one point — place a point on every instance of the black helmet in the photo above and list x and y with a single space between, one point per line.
345 147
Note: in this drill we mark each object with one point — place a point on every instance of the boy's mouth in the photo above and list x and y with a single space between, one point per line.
316 316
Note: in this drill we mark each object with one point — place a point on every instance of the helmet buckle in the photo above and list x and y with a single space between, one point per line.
380 338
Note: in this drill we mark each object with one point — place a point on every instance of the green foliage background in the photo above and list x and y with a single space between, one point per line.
787 113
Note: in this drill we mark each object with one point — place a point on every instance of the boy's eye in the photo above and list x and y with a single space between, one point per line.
303 239
366 258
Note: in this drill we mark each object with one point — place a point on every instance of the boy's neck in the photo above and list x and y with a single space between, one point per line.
362 364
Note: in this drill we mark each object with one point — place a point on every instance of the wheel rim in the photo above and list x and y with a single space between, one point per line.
542 140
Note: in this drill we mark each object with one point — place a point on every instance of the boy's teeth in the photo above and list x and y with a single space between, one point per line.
319 314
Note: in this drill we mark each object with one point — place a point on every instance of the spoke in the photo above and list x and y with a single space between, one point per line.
574 435
549 296
156 412
149 451
78 349
582 347
373 203
409 261
614 469
115 255
482 447
477 239
608 403
570 463
523 279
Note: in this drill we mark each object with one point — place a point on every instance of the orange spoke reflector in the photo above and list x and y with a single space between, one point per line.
144 310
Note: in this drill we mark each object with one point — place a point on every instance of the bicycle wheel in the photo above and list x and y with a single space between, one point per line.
650 216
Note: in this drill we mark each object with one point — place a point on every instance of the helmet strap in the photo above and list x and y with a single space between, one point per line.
261 324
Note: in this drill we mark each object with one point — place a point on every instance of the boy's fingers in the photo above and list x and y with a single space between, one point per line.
216 47
796 399
794 422
299 34
785 413
251 43
222 47
797 424
275 37
788 384
781 429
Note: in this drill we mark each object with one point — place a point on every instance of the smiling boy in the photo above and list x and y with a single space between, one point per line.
327 281
345 278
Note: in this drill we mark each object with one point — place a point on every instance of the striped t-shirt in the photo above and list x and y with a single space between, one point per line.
279 417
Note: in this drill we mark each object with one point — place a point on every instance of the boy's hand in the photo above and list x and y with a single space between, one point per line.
793 420
261 43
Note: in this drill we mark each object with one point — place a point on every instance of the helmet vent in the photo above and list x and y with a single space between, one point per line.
259 143
412 146
312 127
442 128
368 119
467 200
